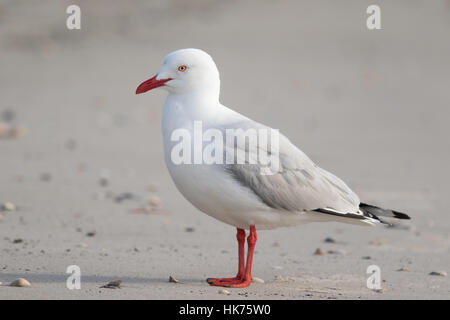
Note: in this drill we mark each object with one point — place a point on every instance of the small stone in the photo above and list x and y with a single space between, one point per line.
104 177
91 233
319 252
336 252
377 243
223 291
329 240
8 115
103 182
189 229
18 240
21 282
113 284
124 196
154 202
46 176
257 280
404 269
277 267
366 257
172 279
71 144
8 206
438 273
83 245
16 132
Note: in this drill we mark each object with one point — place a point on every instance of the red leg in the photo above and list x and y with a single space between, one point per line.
251 240
241 267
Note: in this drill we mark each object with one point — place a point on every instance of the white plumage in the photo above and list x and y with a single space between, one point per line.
247 194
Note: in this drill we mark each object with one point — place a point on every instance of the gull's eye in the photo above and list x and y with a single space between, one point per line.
182 68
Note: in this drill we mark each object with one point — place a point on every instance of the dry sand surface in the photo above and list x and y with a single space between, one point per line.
86 153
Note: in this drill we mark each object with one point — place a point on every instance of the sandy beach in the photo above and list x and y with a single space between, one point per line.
82 175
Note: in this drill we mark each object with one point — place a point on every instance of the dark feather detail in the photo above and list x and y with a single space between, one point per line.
363 216
376 211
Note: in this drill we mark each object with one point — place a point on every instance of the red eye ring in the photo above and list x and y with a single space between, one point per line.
182 68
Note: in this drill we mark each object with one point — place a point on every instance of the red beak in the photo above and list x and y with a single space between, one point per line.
150 84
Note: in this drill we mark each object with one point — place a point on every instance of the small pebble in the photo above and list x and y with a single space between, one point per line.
404 269
366 257
257 280
83 245
223 291
17 132
46 176
91 233
104 177
189 229
124 196
8 115
277 267
172 279
21 282
71 144
18 240
438 273
377 243
8 131
113 284
329 240
8 206
319 252
336 252
103 182
154 202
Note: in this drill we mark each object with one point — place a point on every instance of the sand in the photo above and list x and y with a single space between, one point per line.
370 106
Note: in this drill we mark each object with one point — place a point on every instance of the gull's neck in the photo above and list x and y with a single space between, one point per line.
182 110
198 105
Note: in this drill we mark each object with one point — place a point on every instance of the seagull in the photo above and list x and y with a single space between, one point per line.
241 190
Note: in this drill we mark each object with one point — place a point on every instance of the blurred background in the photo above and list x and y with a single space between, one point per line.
82 176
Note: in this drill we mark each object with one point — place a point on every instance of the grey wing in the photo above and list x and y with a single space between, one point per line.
297 184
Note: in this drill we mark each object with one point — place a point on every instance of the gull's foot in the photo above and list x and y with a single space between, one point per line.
224 282
241 284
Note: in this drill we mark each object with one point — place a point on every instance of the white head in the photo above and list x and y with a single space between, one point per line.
185 71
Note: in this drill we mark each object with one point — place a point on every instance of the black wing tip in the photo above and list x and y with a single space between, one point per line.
401 215
395 214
